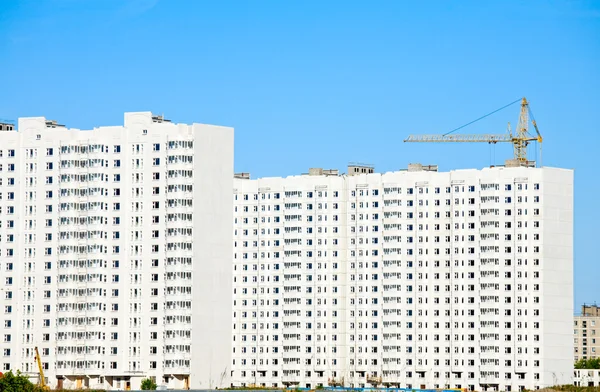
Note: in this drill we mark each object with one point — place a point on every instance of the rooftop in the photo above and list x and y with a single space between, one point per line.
354 169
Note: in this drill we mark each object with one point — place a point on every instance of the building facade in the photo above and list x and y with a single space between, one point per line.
116 246
587 333
415 278
586 377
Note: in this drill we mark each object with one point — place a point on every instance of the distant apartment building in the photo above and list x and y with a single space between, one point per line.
590 311
587 333
414 278
116 247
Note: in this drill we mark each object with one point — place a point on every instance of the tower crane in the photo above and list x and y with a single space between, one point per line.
520 140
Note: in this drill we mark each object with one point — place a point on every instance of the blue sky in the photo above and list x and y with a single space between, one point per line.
322 83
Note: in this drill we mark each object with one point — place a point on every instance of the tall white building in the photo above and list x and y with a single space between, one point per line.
416 278
116 252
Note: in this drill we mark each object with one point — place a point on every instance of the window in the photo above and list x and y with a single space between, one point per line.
156 147
117 149
156 161
49 152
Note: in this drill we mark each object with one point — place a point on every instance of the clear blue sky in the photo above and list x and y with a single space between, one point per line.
321 83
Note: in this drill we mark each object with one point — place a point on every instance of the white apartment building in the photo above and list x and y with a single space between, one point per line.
115 251
586 377
414 278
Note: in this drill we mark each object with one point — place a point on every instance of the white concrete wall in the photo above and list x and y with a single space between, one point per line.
213 175
557 276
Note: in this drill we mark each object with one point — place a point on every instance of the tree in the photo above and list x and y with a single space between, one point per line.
147 385
10 382
593 363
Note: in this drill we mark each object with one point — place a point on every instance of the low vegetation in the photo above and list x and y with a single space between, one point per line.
148 385
10 382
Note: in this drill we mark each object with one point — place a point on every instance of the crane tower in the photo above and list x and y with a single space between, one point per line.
520 139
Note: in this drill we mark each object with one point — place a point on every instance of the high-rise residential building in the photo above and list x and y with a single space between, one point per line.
116 252
415 278
587 333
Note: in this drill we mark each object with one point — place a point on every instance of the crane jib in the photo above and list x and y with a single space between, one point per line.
520 140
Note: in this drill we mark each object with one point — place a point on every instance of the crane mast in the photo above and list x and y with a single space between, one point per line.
42 382
520 140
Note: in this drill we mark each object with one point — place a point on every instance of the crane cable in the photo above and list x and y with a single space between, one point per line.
481 118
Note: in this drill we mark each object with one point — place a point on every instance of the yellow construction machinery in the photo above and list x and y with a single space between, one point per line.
42 381
520 140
